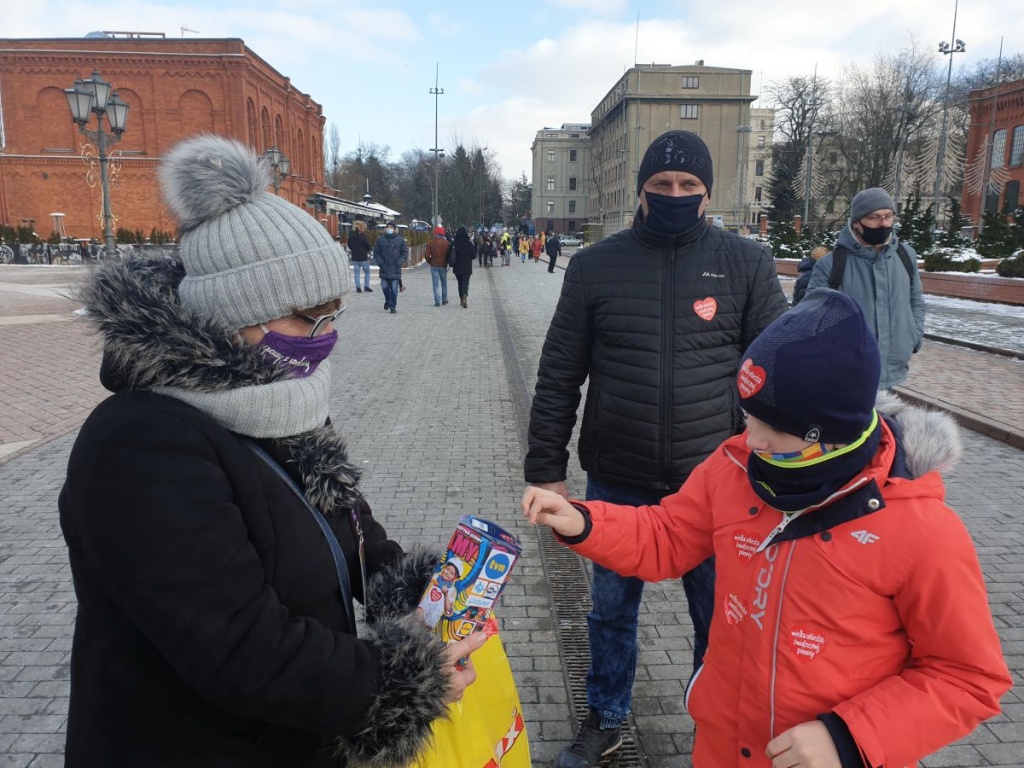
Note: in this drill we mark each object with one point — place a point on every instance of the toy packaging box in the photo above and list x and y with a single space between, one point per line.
468 579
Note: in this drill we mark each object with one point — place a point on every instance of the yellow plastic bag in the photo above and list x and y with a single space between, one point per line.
485 729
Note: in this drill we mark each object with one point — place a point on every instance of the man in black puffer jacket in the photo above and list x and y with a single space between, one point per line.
657 317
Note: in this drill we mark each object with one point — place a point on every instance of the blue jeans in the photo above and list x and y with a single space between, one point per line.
390 287
439 278
364 267
613 619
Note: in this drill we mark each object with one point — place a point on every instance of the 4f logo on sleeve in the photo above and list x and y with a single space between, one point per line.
865 537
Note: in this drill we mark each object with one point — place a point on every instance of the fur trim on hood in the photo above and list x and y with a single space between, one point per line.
930 439
151 340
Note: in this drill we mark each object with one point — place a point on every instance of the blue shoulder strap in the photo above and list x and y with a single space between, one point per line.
340 564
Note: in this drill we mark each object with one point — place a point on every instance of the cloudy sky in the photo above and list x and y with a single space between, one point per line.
509 69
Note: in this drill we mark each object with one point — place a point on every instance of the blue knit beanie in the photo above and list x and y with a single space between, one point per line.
814 372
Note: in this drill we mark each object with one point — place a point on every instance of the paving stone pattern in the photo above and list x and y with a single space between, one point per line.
424 398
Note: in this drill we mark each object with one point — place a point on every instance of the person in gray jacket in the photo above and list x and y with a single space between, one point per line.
875 276
390 253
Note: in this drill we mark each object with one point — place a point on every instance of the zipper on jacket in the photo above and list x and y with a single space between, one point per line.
775 641
667 325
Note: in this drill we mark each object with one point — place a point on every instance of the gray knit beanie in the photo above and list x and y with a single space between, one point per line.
249 255
870 200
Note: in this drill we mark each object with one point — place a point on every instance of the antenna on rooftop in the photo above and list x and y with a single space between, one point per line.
186 29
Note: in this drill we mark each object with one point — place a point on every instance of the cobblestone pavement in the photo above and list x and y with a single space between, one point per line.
431 402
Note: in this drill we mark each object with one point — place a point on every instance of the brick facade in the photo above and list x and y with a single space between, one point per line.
997 115
175 88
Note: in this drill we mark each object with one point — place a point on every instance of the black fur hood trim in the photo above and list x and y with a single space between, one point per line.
412 684
150 340
396 591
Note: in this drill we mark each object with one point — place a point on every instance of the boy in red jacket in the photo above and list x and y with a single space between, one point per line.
852 626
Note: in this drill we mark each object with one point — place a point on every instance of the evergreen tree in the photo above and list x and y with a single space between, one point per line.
998 237
951 237
784 241
916 225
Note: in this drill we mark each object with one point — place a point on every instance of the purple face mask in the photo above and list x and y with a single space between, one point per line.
298 354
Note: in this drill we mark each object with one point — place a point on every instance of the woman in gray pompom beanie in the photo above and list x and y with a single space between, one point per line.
214 625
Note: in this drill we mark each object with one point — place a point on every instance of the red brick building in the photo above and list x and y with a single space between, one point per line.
175 88
996 113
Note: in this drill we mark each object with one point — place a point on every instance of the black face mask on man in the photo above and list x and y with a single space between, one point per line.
670 215
875 235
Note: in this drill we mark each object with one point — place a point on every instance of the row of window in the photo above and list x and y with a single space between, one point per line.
551 184
551 226
1016 148
572 155
551 206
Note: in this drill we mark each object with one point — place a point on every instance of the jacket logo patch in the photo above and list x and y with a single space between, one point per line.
807 643
750 379
865 537
746 545
735 609
705 308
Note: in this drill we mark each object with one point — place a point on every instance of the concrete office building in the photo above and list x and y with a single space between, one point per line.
648 100
561 178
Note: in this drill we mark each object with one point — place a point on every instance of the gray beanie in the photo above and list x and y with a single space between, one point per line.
870 200
249 255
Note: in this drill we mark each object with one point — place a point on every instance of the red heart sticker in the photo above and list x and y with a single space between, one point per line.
705 308
750 379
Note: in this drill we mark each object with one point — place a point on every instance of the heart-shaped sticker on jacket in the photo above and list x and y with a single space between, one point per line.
705 308
750 379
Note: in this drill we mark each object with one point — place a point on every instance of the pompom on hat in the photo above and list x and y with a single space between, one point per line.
814 371
249 255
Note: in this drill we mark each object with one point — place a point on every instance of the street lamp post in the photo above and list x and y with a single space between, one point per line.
743 132
946 49
280 165
94 97
438 152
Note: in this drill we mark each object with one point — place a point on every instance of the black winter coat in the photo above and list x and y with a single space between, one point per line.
658 325
465 253
359 246
804 269
210 628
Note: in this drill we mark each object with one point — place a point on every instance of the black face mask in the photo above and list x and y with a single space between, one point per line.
669 215
876 236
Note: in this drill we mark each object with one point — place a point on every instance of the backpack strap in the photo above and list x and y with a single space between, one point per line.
905 258
835 277
840 254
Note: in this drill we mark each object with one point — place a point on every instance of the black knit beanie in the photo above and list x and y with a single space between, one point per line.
676 151
814 372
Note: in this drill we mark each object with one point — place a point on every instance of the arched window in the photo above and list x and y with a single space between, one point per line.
265 125
1017 146
250 119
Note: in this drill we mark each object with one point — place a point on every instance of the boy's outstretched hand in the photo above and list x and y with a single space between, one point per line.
543 507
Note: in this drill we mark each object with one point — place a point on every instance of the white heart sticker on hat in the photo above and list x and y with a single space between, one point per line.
705 308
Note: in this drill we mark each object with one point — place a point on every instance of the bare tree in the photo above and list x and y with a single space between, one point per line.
332 158
802 108
890 114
